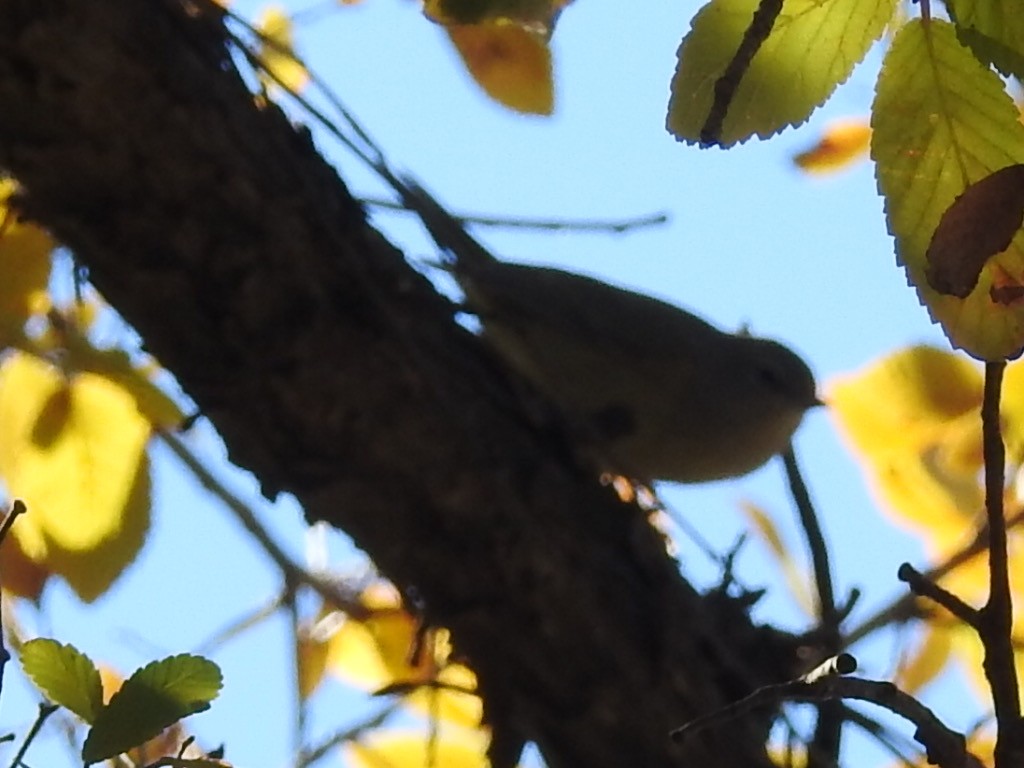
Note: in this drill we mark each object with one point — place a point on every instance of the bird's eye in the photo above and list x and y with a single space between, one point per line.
769 376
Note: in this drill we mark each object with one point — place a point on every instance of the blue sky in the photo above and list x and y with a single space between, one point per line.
751 241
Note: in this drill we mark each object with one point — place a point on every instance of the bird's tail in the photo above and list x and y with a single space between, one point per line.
464 255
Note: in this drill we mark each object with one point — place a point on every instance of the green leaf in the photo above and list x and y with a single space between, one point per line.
156 696
994 30
814 45
943 121
65 675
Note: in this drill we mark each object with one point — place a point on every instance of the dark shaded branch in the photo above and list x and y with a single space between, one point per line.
945 747
825 746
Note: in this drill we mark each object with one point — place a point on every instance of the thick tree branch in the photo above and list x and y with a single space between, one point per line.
335 372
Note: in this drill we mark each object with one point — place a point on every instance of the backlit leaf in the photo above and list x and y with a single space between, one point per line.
65 676
156 696
510 62
940 122
841 144
74 450
813 47
994 30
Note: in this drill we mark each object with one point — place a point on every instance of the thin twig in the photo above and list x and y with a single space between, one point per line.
997 614
824 747
921 586
577 225
902 608
349 734
45 710
945 747
292 571
17 508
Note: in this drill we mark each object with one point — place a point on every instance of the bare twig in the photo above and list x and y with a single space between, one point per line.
619 226
17 508
293 573
996 626
945 747
922 586
824 748
902 608
349 734
45 710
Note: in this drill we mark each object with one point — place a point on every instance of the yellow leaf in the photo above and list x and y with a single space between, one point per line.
452 749
927 660
840 145
377 652
900 399
796 578
449 701
510 62
1012 410
116 366
538 15
276 52
311 653
24 267
74 451
913 420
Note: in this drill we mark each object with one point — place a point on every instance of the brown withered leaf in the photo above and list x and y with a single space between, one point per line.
980 223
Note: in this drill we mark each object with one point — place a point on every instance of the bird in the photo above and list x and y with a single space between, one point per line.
663 394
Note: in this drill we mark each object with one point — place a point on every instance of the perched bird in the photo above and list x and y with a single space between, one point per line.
662 394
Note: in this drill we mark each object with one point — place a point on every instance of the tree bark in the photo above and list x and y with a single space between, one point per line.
335 372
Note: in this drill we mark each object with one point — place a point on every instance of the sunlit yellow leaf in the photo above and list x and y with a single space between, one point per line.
74 450
912 419
840 145
276 52
903 397
450 700
453 749
378 653
1013 412
24 267
511 63
116 365
926 661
